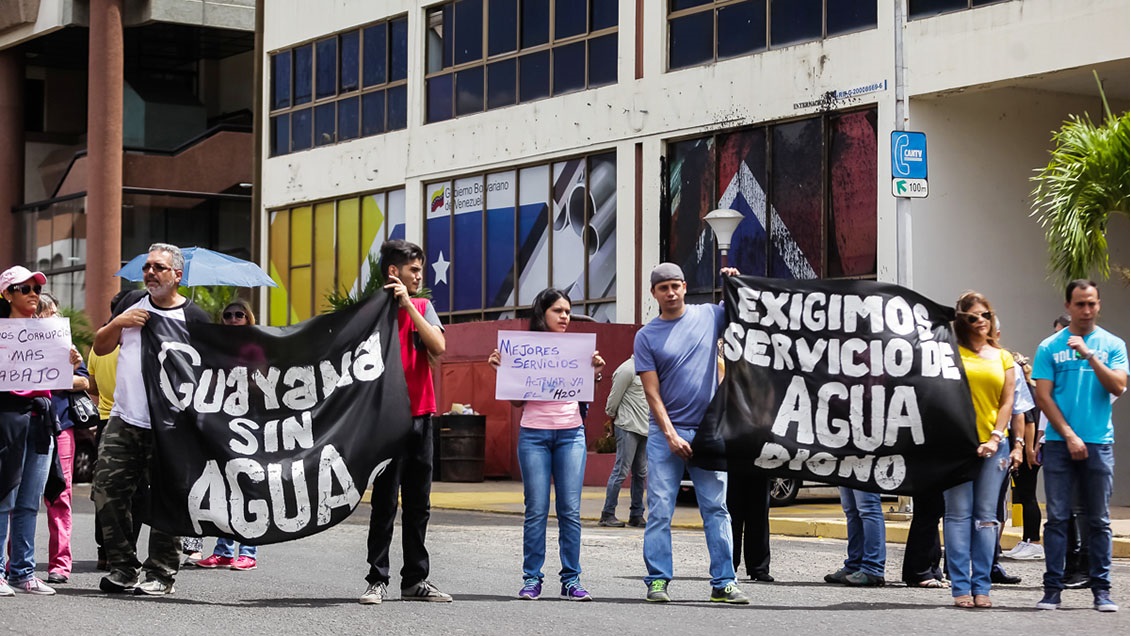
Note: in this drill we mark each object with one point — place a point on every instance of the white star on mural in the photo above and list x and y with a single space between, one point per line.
441 269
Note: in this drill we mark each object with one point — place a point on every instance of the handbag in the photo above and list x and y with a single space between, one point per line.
82 410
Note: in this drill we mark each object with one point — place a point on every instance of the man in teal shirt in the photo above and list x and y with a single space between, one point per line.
1079 372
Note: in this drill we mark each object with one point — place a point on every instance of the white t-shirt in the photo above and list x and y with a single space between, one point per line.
131 402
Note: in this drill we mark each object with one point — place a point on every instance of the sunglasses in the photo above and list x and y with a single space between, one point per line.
25 289
973 318
156 267
230 315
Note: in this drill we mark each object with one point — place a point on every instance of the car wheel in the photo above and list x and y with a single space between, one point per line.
83 468
783 490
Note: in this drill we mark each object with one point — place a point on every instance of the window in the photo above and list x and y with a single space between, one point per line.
344 86
316 249
486 54
704 31
807 189
927 8
493 241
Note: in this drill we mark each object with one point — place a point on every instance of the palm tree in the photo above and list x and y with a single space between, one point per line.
1083 186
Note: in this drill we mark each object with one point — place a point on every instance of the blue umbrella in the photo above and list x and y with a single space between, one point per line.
205 267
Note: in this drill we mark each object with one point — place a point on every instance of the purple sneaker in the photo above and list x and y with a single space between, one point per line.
531 589
572 591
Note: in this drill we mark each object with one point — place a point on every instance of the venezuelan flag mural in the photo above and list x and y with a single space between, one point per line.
314 250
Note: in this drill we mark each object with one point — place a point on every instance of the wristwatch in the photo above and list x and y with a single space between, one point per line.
1019 441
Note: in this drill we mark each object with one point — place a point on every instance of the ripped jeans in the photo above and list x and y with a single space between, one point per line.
970 526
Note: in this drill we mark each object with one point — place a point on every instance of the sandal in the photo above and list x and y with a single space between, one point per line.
982 600
965 602
933 584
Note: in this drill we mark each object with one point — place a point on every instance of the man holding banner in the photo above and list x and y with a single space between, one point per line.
676 360
127 442
410 473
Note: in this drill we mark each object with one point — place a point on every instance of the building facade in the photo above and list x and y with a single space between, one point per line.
577 143
123 123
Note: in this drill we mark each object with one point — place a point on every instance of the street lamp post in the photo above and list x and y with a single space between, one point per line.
723 222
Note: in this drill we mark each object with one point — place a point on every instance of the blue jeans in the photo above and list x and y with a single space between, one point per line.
21 506
544 454
665 470
631 454
1091 478
227 548
867 535
970 526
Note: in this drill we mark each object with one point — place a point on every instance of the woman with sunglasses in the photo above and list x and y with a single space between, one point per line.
551 444
236 314
27 420
970 525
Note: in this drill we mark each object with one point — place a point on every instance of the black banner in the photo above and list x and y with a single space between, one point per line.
852 383
267 434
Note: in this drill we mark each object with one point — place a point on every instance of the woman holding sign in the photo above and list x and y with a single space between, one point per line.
551 443
29 411
970 526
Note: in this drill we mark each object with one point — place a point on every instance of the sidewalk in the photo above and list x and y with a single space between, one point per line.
823 519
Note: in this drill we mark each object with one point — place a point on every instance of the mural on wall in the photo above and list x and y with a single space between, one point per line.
494 241
790 229
314 250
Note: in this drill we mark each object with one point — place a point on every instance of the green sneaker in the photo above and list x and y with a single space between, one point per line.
729 594
658 592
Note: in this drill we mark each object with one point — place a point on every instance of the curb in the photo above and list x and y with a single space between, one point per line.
812 528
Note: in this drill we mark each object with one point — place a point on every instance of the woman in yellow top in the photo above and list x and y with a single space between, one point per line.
970 527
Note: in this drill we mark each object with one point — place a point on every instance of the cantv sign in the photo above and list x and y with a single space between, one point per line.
908 164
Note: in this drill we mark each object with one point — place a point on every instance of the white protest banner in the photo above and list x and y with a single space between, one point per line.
543 366
35 353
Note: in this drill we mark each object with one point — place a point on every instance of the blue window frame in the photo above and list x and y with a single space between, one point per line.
355 79
486 54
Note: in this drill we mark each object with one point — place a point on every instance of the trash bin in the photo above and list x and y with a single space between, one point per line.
463 441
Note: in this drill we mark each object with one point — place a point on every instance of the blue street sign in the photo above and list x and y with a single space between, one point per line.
908 155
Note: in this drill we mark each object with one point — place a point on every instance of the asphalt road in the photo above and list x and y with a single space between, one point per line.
311 587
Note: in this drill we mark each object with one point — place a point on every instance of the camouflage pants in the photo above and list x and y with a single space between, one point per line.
123 463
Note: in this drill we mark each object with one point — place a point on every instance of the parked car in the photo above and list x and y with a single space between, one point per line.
85 453
783 490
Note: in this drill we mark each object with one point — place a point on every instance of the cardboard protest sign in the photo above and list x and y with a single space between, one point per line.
543 366
853 383
35 353
266 434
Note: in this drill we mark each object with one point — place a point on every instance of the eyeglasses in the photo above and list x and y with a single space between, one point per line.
25 289
156 267
973 318
238 315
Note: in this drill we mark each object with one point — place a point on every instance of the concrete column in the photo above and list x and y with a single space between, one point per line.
11 154
104 153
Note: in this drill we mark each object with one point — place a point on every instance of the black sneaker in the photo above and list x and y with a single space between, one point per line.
425 591
658 592
839 577
117 582
637 522
863 579
610 521
1000 577
1077 581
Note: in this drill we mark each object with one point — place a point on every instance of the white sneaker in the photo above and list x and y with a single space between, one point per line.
1010 554
1029 552
35 586
5 589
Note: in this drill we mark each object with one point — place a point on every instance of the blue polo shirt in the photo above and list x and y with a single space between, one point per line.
1077 391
